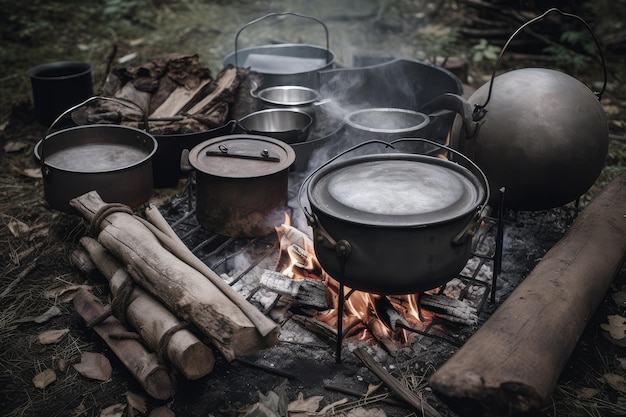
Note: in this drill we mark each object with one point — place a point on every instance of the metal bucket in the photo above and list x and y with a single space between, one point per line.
58 86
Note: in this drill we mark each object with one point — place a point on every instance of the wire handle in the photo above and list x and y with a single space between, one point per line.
255 21
479 110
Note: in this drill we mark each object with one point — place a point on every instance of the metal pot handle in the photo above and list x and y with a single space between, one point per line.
470 229
328 59
480 108
123 102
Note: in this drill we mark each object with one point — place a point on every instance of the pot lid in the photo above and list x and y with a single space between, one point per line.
395 190
242 156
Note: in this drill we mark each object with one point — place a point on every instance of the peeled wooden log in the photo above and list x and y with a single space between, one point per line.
185 290
512 363
158 327
143 365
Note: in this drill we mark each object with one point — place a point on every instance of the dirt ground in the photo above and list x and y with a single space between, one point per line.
36 242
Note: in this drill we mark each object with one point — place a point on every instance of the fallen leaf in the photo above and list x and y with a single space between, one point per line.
301 405
18 228
586 393
52 312
116 410
52 336
332 405
15 146
616 326
136 402
65 294
619 298
94 366
62 364
622 362
81 410
362 412
44 378
163 411
617 382
31 172
371 388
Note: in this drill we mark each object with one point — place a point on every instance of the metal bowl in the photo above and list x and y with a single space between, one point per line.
287 125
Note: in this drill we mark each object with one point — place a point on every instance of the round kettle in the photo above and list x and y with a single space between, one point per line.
538 134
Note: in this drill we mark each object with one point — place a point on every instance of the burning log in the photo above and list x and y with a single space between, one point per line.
181 282
512 363
143 365
450 309
159 328
307 292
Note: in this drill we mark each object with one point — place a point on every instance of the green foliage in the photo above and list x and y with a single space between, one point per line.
483 50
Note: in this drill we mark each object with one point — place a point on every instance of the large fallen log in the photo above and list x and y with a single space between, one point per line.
159 328
185 290
143 365
512 363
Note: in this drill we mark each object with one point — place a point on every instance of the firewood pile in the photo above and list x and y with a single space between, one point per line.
180 309
178 94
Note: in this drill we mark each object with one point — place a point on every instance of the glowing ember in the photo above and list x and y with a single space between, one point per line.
365 315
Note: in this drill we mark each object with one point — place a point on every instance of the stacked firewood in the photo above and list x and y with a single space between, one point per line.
177 94
168 309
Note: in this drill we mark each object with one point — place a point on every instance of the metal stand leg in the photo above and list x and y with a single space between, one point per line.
339 324
497 261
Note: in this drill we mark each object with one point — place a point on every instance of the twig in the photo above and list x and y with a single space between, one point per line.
403 392
17 280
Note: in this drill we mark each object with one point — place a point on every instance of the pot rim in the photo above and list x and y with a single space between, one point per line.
307 117
348 120
392 221
314 93
144 134
83 67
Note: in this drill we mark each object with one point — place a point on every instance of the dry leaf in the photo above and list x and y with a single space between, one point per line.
163 411
65 294
362 412
616 326
15 146
45 378
52 312
18 228
52 336
81 410
136 402
300 405
331 406
617 382
31 172
622 362
62 364
586 393
94 366
619 298
371 388
116 410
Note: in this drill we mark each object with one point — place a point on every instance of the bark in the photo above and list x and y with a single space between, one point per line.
512 363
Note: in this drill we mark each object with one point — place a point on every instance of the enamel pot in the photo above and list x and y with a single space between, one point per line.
540 135
394 223
241 184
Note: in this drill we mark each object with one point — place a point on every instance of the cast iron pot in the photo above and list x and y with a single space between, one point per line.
284 64
394 223
114 160
241 184
538 134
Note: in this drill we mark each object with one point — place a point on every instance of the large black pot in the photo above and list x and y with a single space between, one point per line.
394 223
